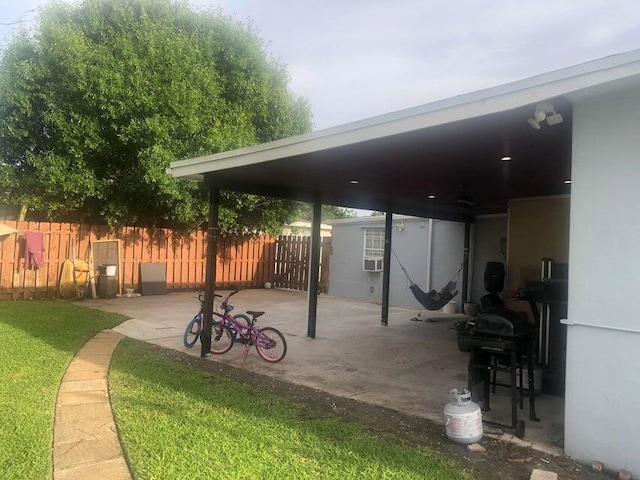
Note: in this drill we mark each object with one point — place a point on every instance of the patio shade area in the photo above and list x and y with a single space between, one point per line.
460 164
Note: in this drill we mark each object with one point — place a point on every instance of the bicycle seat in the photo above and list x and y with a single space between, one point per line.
255 314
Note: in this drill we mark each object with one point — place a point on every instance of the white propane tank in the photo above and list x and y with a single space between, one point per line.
463 422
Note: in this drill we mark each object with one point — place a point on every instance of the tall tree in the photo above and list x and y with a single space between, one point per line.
328 212
101 96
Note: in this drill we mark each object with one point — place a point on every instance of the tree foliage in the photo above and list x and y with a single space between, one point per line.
328 212
102 95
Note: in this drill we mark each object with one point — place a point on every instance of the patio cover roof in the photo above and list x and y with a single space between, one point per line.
450 149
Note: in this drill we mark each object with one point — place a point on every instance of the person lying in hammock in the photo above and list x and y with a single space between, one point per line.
435 300
442 294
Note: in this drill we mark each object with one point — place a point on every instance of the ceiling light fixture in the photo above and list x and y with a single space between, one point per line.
544 111
534 123
506 158
431 197
568 182
353 182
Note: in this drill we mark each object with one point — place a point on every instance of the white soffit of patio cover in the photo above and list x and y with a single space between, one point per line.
579 78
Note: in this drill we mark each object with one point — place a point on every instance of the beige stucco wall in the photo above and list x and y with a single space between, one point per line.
537 228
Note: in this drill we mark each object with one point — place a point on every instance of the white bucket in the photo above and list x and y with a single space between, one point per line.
471 309
449 307
110 270
537 379
503 377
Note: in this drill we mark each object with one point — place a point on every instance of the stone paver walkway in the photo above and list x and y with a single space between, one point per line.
85 440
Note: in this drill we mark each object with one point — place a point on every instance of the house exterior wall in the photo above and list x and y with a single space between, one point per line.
603 344
538 228
411 245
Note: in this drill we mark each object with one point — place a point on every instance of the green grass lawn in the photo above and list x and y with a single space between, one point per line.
39 339
177 422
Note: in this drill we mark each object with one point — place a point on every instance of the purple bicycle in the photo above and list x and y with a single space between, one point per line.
269 342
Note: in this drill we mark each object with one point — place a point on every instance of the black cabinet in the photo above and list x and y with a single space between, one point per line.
552 294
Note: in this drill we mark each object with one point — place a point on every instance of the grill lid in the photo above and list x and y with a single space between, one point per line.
501 322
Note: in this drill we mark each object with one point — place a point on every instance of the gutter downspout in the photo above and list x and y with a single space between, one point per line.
429 253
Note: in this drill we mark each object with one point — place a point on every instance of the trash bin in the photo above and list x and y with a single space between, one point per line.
107 281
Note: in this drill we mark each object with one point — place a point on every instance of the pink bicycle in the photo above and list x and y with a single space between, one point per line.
194 328
269 342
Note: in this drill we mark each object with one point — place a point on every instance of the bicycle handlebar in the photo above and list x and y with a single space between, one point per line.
216 295
201 296
226 299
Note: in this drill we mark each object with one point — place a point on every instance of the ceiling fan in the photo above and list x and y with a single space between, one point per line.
464 201
466 204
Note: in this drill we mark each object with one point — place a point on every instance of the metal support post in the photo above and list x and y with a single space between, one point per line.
209 284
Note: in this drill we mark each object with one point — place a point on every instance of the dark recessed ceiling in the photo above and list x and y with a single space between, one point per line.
455 162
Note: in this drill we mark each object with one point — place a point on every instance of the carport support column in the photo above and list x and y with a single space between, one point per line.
386 268
314 270
210 278
465 264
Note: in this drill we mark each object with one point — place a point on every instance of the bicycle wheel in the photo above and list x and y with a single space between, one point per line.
192 333
244 322
270 344
82 291
221 338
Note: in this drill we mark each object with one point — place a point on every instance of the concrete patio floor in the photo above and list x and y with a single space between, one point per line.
407 366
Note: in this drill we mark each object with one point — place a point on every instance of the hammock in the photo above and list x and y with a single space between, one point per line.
432 300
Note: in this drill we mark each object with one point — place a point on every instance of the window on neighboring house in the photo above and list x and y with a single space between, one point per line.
373 249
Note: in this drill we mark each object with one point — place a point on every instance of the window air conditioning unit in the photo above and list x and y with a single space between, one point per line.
372 264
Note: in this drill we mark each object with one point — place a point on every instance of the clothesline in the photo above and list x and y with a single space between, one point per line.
7 230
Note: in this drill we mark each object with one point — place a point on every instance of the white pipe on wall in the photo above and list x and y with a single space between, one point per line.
602 327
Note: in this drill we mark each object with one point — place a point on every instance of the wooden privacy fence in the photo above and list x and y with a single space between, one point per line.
241 262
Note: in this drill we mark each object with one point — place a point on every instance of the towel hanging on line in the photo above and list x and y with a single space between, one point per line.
33 257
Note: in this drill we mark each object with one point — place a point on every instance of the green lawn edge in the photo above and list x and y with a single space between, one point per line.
179 422
39 340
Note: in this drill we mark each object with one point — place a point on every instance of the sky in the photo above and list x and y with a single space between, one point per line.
354 59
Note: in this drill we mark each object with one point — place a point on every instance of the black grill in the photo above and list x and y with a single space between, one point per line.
500 322
502 340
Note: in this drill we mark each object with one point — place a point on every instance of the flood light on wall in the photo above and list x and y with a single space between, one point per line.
545 112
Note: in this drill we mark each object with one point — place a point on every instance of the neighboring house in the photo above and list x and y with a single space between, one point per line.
430 250
303 228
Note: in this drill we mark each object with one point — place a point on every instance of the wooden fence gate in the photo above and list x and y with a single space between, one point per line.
292 263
